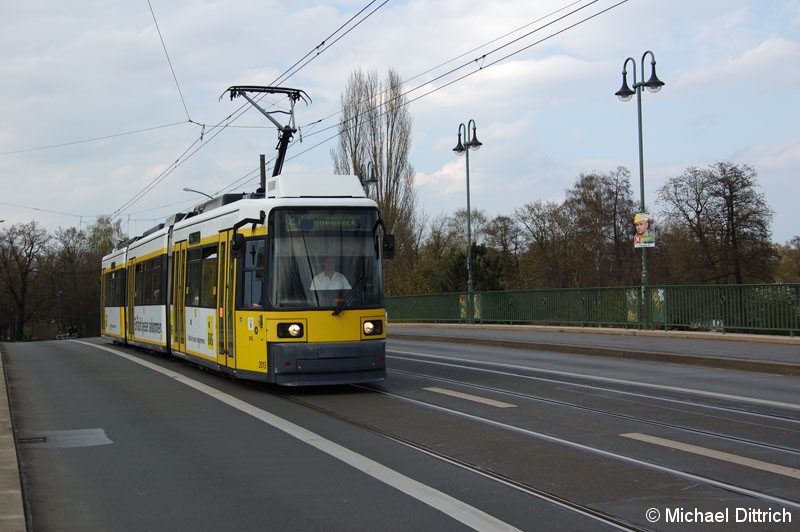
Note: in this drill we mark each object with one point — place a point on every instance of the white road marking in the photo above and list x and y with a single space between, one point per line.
719 455
458 510
767 402
600 452
468 397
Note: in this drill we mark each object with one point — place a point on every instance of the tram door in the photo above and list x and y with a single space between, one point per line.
130 299
226 327
179 297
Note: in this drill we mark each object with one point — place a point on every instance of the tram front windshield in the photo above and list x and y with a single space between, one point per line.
325 259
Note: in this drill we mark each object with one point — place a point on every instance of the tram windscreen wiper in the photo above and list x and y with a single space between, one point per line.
347 297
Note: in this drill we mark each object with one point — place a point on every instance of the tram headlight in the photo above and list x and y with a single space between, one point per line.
290 330
373 327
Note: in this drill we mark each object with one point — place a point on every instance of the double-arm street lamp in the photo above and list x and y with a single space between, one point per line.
626 93
472 144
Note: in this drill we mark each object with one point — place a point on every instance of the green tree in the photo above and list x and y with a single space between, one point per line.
487 274
788 268
104 235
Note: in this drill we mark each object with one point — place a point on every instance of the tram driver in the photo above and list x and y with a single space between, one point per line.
329 278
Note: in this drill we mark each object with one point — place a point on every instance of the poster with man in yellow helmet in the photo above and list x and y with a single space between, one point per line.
645 236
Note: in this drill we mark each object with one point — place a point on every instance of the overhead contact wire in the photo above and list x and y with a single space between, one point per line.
169 61
467 64
218 128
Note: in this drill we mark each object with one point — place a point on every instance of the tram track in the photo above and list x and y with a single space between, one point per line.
596 450
528 489
616 522
617 415
578 380
774 419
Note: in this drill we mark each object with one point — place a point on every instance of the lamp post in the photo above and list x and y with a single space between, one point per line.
625 93
187 189
464 148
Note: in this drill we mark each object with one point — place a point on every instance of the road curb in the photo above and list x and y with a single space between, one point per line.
653 333
12 510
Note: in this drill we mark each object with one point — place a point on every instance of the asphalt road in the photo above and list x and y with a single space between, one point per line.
745 352
462 435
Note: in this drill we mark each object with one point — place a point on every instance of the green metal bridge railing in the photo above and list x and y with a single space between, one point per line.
765 308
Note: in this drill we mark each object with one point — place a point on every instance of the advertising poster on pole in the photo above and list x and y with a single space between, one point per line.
645 236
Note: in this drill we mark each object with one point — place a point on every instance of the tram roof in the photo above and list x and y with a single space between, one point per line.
285 190
312 190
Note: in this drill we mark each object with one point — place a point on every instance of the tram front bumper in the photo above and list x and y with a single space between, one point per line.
300 364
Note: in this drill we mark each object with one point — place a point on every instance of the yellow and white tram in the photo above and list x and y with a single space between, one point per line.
284 286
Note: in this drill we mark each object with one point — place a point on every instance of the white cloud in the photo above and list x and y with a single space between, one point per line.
770 63
78 71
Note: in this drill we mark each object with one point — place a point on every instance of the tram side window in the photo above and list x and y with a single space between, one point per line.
194 277
141 283
149 279
251 295
159 297
115 288
201 277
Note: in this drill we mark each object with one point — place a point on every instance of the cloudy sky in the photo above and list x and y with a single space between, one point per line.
93 121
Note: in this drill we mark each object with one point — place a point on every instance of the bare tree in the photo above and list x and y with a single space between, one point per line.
376 129
457 226
503 234
21 249
602 207
728 218
746 223
689 208
351 153
75 267
550 238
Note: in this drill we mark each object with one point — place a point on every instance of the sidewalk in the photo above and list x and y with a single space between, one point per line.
12 512
744 352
